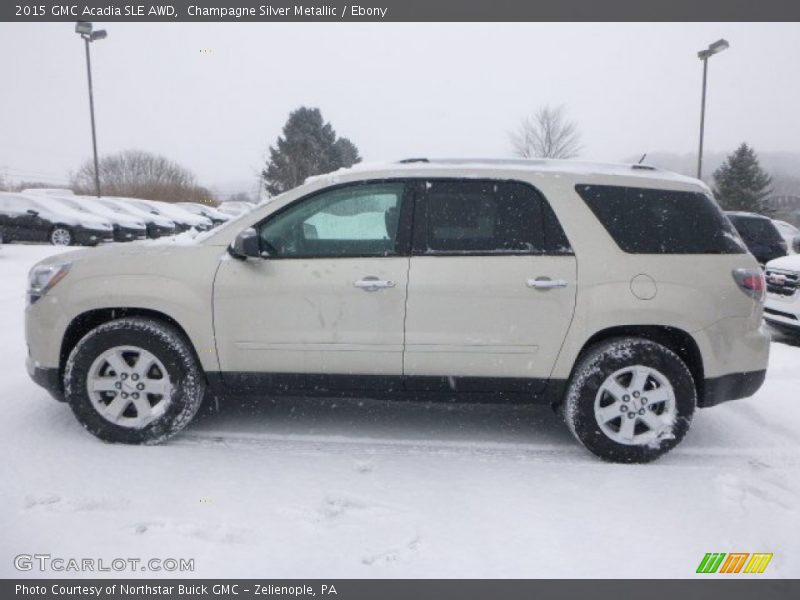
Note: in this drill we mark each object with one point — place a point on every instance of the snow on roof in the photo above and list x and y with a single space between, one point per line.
486 165
49 191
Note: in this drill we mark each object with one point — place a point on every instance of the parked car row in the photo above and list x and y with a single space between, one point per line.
63 218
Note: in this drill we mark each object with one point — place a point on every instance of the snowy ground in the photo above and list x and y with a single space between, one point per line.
368 489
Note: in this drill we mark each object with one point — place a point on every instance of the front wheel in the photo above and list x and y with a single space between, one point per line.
133 381
630 400
61 236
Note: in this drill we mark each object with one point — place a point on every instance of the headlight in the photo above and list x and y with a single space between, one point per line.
43 278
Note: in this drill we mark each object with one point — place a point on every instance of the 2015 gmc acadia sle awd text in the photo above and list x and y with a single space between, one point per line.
619 294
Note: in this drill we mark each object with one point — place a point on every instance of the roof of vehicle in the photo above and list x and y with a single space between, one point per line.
48 191
32 198
484 167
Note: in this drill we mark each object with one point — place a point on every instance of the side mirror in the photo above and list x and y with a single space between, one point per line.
246 245
34 213
796 244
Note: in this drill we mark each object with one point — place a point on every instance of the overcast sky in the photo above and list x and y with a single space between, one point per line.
396 90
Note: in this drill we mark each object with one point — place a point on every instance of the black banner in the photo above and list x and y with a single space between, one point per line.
401 10
394 589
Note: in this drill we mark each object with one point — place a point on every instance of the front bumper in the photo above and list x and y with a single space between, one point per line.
48 378
128 234
92 237
156 231
783 311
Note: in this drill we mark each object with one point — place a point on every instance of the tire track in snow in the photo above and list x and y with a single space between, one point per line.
684 457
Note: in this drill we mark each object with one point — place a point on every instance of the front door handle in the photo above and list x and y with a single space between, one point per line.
373 284
545 283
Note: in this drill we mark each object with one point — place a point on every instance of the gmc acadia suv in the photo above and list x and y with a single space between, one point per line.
620 295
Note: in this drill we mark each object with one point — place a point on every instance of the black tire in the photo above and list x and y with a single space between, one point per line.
61 230
164 342
593 369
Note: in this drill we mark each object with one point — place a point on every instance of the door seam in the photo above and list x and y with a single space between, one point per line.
405 318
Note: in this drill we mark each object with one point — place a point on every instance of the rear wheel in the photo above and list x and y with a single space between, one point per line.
630 400
61 236
133 381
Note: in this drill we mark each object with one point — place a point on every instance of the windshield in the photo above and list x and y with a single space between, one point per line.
145 207
71 204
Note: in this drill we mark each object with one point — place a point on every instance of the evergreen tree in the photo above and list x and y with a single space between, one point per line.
308 146
741 184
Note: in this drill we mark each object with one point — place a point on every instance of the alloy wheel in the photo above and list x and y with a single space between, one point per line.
129 386
635 406
61 237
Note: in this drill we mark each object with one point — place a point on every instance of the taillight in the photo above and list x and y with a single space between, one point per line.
751 282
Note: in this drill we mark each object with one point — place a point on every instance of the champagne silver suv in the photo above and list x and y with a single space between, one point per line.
620 295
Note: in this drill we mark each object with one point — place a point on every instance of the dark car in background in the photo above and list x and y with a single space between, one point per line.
217 217
32 219
759 234
156 225
183 219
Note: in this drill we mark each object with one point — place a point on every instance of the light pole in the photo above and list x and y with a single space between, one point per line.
85 30
703 55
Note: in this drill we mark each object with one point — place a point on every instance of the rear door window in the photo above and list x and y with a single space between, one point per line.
653 221
487 217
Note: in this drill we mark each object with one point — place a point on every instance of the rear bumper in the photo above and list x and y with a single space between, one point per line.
48 378
731 387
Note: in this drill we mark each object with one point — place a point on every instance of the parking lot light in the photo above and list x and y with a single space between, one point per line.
704 55
86 31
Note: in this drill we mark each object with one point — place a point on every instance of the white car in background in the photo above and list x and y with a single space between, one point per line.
788 232
782 304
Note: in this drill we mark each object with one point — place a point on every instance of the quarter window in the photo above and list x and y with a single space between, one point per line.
653 221
358 220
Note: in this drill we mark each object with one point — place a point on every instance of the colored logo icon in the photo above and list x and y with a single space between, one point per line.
734 562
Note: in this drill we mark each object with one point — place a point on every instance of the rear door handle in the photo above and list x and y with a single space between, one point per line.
545 283
373 284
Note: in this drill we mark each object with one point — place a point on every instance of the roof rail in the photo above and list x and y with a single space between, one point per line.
406 161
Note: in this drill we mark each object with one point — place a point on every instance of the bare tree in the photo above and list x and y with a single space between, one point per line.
547 134
139 174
